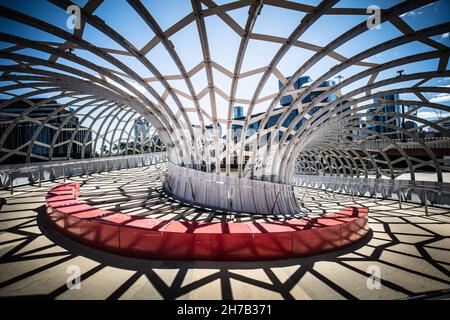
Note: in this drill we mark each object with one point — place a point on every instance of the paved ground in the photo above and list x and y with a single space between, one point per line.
411 251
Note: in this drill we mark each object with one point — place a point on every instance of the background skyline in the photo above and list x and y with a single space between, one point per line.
224 43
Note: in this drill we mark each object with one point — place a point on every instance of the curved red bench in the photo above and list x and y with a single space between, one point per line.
162 239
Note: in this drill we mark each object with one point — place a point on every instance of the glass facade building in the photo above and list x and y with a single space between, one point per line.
284 102
378 114
24 132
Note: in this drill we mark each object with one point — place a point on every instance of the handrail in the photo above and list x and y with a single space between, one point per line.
389 189
9 179
425 195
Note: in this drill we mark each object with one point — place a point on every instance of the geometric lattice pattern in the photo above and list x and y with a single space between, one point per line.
410 249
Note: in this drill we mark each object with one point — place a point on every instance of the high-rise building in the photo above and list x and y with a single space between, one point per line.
286 101
238 112
298 84
24 131
140 128
376 114
303 82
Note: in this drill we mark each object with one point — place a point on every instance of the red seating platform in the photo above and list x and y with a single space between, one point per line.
162 239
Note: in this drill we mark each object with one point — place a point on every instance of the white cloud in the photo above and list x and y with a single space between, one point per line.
446 79
440 98
408 14
411 14
426 115
418 12
430 115
428 5
445 35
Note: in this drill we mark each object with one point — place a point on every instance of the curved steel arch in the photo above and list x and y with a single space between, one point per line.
116 96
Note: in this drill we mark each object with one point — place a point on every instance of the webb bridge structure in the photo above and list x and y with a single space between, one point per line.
111 97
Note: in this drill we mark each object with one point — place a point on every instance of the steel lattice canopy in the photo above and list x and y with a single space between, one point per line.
183 67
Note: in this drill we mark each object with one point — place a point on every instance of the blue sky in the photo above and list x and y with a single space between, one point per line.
224 42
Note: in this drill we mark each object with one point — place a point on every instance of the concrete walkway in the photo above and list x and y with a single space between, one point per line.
410 251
